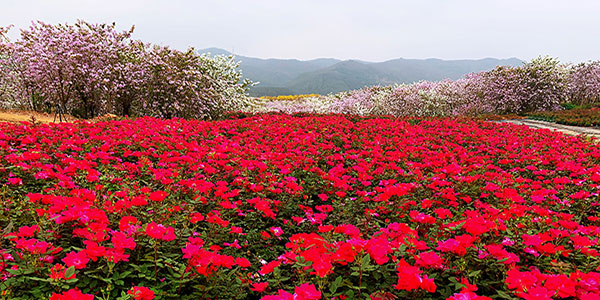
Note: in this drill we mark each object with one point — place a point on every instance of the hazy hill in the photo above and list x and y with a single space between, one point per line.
274 72
343 76
411 70
328 75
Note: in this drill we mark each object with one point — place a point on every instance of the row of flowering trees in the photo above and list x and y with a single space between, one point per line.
90 69
541 84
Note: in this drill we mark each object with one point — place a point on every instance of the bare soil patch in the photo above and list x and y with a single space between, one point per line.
16 116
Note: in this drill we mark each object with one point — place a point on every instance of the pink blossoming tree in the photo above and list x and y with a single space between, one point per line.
91 69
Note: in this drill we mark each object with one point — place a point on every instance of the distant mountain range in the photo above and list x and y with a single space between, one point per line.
329 75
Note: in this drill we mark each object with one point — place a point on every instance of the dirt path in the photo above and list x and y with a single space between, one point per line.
25 116
570 130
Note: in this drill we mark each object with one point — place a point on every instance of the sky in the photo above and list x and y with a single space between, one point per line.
371 30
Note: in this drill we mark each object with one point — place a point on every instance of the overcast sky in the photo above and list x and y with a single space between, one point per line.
371 30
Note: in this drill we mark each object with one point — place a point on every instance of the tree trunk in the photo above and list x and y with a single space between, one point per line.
126 107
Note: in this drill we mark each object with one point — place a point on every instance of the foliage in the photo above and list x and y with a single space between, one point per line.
587 117
568 105
348 207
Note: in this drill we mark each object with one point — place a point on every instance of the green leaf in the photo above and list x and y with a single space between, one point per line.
504 295
69 271
335 284
36 278
14 272
125 274
366 260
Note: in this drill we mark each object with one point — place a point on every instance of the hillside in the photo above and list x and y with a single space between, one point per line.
328 75
343 76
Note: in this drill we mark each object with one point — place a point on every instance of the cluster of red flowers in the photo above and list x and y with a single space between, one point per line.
306 207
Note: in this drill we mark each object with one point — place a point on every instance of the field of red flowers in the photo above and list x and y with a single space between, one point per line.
297 207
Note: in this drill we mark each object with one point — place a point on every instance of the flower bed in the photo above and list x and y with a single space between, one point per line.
307 207
586 117
290 97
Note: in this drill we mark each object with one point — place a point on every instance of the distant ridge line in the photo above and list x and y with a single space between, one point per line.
329 75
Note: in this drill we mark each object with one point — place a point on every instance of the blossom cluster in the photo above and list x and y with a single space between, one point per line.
306 207
89 69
